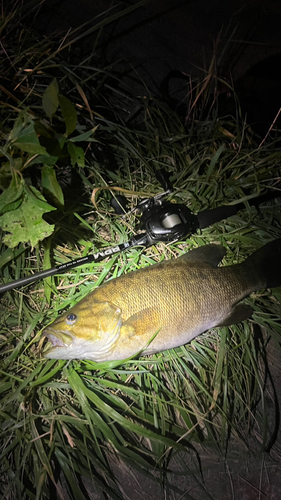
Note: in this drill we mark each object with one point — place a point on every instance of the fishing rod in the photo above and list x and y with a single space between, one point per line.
161 221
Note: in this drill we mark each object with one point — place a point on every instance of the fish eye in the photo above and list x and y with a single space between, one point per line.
71 318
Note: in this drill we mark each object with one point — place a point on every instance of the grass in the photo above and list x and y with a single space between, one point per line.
63 423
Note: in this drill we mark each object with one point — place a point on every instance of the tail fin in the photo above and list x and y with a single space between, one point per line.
267 261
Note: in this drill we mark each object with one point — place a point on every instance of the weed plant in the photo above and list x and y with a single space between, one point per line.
72 137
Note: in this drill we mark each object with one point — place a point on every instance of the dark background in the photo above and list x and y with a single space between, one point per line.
184 35
179 34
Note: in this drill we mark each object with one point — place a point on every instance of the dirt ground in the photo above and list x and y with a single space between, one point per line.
243 475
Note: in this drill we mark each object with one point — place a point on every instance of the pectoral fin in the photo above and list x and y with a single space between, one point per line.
143 323
239 313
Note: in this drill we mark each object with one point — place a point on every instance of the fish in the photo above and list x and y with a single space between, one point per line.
162 306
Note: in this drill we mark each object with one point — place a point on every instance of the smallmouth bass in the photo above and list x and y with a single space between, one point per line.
176 299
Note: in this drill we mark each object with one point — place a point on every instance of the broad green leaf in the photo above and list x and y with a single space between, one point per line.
45 159
21 125
30 144
25 223
50 100
12 206
6 172
27 140
76 155
69 114
49 160
11 198
38 198
51 185
25 130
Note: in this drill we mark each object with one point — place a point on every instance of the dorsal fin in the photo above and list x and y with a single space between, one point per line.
208 254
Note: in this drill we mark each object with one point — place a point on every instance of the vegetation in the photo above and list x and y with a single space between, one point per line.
72 137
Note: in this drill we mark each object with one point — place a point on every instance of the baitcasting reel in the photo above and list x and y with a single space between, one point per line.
165 221
161 220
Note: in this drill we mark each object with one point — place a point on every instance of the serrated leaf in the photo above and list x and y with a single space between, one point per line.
51 185
12 206
11 195
76 154
38 198
50 100
69 114
25 223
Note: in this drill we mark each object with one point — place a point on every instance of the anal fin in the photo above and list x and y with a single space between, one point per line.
239 313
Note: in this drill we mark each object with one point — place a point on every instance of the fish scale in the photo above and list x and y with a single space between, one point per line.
176 299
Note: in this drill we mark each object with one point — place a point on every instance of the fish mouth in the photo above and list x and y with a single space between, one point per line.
56 340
